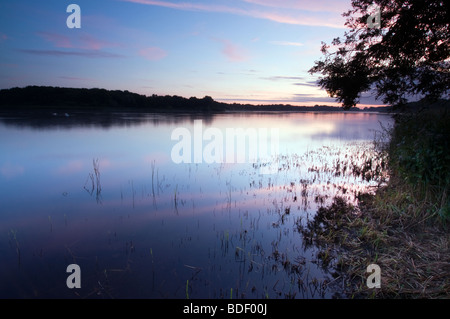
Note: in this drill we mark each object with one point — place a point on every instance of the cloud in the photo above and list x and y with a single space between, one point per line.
91 43
316 5
296 44
153 53
9 170
282 78
86 54
307 83
3 37
187 6
84 41
331 19
58 40
233 52
74 78
307 19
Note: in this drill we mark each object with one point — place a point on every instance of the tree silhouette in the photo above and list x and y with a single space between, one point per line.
407 55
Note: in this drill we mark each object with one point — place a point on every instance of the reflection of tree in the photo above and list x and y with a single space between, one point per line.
408 55
79 118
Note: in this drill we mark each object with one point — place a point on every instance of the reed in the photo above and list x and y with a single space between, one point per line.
51 224
175 198
13 238
153 178
187 289
95 184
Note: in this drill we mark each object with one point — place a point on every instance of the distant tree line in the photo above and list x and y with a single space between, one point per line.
46 96
34 97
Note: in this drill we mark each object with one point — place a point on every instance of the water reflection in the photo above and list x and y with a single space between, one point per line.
109 198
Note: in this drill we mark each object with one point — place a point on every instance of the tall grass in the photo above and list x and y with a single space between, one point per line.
95 181
404 226
419 161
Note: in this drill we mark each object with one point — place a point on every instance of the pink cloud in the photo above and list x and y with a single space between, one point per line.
91 43
84 41
287 43
233 52
153 53
333 20
157 158
58 40
59 53
318 20
74 78
105 163
3 37
187 6
71 167
338 6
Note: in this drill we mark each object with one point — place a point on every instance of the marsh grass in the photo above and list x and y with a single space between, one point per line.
415 250
414 257
402 227
94 178
187 289
14 242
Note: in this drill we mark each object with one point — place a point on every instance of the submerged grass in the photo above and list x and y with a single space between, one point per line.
403 227
414 255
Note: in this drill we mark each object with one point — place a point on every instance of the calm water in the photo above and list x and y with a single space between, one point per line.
106 194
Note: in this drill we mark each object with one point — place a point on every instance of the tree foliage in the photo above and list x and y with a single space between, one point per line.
95 99
407 55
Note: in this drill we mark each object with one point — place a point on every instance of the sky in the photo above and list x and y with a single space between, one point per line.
244 51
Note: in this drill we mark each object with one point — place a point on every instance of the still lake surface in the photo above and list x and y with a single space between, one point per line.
107 195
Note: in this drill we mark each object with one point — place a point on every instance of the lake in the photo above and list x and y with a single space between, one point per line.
174 206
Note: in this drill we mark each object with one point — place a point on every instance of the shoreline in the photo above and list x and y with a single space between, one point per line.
404 227
69 99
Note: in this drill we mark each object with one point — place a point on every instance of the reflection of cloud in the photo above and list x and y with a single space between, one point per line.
157 158
9 170
311 129
76 166
71 167
104 163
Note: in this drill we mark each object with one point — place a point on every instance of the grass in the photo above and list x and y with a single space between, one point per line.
415 251
187 289
95 181
413 255
403 227
13 239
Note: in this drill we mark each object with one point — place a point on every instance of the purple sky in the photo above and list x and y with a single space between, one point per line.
252 51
